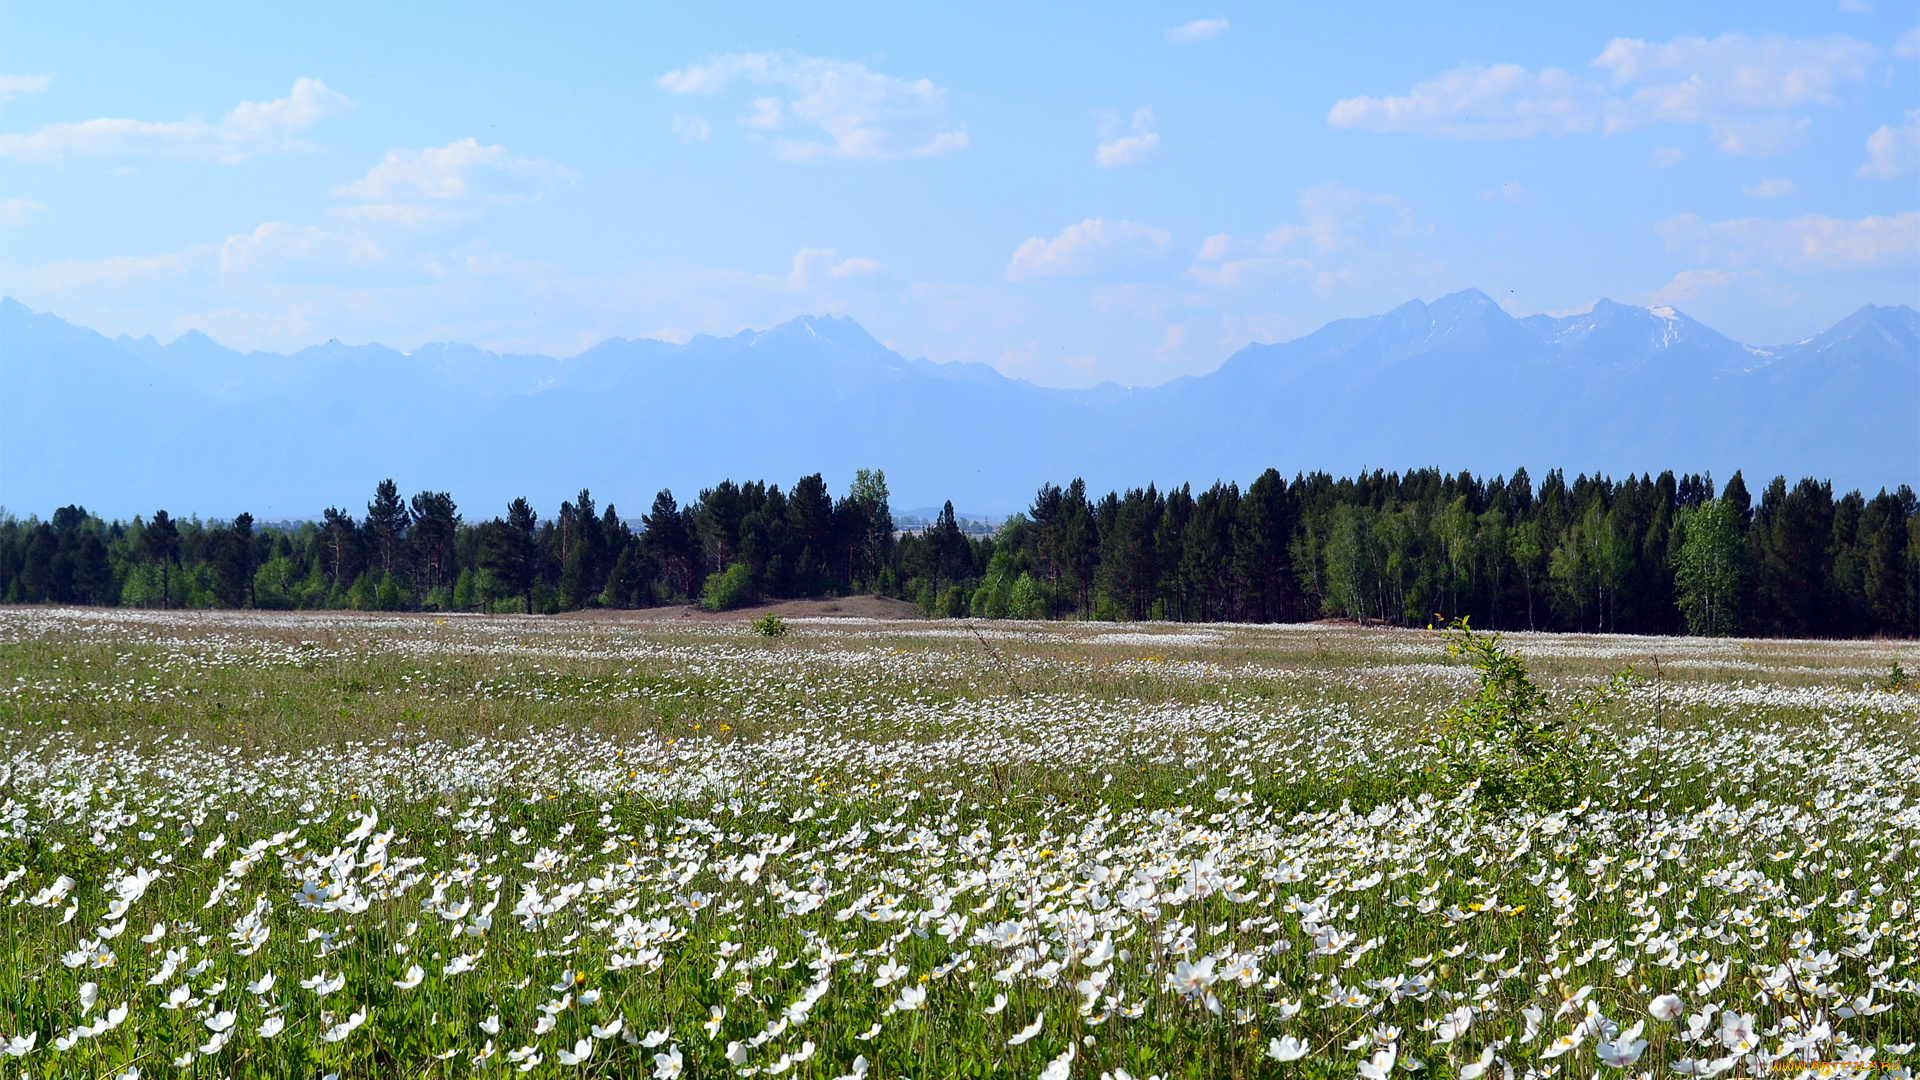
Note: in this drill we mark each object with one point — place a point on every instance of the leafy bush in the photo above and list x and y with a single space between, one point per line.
1026 601
1508 739
724 592
770 626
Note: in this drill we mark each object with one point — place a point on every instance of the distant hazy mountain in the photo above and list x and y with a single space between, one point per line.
127 425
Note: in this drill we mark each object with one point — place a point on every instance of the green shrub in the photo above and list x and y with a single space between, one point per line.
1507 738
724 592
770 626
1026 600
953 603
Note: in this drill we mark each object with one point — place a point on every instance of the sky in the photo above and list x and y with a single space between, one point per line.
1070 193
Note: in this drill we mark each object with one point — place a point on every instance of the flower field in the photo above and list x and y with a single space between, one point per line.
236 844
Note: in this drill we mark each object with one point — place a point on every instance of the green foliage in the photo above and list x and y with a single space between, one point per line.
1026 601
724 592
1897 678
1507 738
1710 569
465 598
274 584
1642 554
770 626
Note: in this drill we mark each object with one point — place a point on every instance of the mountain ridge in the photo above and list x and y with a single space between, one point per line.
119 424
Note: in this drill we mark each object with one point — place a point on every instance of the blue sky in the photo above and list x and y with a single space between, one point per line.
1069 193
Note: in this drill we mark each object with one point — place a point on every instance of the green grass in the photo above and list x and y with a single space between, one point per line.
1747 806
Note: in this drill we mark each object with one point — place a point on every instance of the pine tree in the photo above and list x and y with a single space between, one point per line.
162 542
387 521
511 552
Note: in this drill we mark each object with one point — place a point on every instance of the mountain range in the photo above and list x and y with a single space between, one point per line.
126 425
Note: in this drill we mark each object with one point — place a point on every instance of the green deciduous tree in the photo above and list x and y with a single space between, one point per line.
1711 569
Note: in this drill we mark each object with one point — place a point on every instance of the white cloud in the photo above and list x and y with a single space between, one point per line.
459 171
72 276
1856 7
1892 151
1740 87
1744 89
16 211
1907 45
691 128
1666 157
1198 30
1775 187
1346 240
866 115
1688 284
274 247
817 268
1810 242
1091 247
251 128
1511 191
1117 149
19 86
1504 101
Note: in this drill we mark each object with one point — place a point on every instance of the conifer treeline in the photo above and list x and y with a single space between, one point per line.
1644 555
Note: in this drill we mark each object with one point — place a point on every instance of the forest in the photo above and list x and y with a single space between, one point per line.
1657 555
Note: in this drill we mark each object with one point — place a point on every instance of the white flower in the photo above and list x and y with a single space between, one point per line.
1453 1025
999 1003
1665 1007
1191 979
582 1050
1030 1030
491 1025
859 1069
1624 1049
888 972
1058 1068
1380 1067
911 998
713 1021
214 1045
414 974
340 1031
667 1066
1476 1069
220 1021
655 1038
1286 1048
1737 1031
607 1032
261 985
273 1025
323 984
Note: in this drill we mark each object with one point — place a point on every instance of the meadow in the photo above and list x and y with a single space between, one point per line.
249 844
